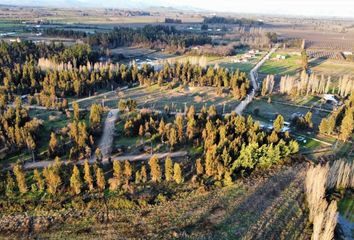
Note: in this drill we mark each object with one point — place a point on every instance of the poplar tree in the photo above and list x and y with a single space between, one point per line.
168 169
100 181
39 181
76 111
177 176
10 185
75 181
20 178
87 175
143 174
155 170
127 171
199 167
347 127
117 171
53 144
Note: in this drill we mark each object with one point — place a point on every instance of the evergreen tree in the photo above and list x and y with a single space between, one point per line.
75 181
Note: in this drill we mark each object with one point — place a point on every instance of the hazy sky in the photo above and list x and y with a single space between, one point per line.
343 8
296 7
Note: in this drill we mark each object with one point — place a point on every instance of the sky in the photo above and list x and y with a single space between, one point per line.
339 8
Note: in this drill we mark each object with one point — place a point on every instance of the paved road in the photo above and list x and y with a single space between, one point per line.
254 76
140 157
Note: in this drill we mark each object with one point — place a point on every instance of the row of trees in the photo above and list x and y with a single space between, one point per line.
314 84
58 178
319 180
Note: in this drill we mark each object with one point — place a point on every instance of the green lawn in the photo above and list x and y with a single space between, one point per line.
289 66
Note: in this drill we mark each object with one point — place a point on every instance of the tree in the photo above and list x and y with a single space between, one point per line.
53 144
75 181
168 169
53 180
305 60
117 171
10 185
76 111
323 127
87 175
273 138
155 170
127 171
95 116
143 174
179 124
20 178
199 167
177 176
31 145
98 154
308 120
100 181
278 123
172 138
347 127
39 181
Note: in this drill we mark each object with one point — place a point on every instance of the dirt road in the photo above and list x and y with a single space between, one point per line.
254 76
106 141
140 157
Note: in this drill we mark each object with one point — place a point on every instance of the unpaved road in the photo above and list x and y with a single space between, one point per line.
140 157
253 74
106 140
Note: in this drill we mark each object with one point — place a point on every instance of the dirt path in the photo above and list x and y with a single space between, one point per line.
140 157
254 76
106 141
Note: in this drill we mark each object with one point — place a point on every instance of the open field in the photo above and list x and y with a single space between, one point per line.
176 99
292 65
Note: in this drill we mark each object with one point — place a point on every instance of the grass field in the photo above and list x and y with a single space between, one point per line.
157 98
292 66
289 66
